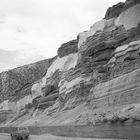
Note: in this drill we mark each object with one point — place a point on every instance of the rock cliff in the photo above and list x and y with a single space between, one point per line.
16 84
93 79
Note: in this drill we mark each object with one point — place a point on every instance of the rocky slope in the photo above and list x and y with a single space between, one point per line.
16 84
93 79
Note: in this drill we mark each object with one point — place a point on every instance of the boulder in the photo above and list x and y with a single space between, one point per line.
68 48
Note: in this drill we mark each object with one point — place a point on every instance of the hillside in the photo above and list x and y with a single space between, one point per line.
94 79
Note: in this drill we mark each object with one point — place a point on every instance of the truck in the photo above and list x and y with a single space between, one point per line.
22 133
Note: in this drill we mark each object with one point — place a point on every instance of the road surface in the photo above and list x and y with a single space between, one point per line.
49 137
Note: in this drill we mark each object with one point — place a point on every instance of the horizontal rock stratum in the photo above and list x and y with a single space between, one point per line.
95 78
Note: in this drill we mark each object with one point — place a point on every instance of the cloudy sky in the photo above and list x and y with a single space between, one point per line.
31 30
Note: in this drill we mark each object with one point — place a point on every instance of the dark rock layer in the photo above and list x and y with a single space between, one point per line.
68 48
114 11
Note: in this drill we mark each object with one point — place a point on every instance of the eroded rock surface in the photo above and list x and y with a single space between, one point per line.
94 79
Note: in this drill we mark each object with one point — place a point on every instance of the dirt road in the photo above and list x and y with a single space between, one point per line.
49 137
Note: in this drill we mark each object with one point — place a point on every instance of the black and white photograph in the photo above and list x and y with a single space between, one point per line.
69 69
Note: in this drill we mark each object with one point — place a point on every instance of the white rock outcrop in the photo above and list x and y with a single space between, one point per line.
130 18
63 64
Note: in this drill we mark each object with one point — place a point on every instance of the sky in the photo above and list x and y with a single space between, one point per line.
32 30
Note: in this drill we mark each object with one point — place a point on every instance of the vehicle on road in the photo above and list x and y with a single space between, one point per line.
22 133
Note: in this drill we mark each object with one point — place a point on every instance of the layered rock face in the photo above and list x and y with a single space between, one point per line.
16 84
108 59
129 18
48 86
94 78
